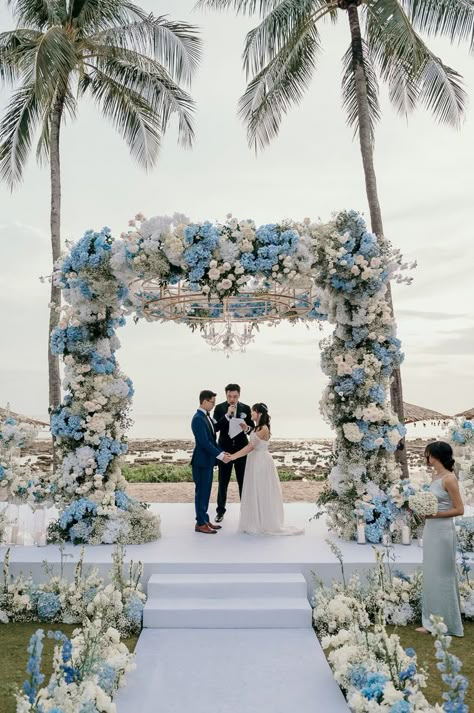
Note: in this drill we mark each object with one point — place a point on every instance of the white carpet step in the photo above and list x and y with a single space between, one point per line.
227 613
221 584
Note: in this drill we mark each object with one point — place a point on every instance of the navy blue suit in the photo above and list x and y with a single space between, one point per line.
203 461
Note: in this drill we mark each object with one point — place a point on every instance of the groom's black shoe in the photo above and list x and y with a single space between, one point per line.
219 518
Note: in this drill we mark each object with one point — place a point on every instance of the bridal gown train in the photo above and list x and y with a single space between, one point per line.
261 507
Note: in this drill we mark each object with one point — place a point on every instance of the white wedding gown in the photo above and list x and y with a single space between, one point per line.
261 507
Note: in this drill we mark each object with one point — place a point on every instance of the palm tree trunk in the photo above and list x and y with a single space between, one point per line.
366 148
55 223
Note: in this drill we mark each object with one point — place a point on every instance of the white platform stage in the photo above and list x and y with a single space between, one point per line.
180 549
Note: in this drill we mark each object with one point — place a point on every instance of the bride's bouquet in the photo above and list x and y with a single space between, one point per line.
423 503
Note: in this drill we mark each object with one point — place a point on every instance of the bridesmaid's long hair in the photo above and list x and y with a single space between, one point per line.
265 418
443 452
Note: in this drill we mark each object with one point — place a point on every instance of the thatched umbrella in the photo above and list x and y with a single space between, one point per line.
467 414
413 414
6 413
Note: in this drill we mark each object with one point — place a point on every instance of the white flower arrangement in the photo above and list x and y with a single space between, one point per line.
118 603
423 503
373 670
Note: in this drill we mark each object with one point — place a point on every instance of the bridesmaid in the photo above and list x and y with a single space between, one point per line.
440 582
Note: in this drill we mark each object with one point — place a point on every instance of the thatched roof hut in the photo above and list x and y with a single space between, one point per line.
469 414
413 414
6 413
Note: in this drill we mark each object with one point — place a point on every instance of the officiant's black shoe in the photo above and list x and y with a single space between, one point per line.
205 529
214 527
219 518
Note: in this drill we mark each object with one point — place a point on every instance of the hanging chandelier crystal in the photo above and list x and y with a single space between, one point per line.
230 337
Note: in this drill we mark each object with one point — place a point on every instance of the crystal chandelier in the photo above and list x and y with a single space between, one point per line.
230 337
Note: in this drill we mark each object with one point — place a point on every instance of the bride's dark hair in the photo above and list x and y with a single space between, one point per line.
443 452
265 418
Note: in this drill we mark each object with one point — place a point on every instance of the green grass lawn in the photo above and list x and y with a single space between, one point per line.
169 473
424 647
14 639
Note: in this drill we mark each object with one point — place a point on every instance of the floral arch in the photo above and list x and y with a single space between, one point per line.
199 274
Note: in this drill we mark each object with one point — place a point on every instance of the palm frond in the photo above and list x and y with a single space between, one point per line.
274 32
349 90
442 92
129 113
38 14
149 79
16 132
278 86
450 18
412 71
17 51
261 7
176 45
55 60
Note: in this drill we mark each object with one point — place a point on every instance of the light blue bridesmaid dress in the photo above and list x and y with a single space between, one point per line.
440 582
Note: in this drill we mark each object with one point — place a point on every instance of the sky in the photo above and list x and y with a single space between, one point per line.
425 179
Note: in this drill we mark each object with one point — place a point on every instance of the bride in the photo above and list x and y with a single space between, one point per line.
261 507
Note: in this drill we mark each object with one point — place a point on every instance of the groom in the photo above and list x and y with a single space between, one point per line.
203 460
232 407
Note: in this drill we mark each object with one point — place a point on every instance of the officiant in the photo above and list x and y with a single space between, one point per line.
233 422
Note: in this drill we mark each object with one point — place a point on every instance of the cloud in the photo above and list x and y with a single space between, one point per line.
435 316
460 344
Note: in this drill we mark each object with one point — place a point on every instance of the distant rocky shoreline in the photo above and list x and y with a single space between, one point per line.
301 456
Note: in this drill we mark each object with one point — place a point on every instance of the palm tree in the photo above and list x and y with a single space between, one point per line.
129 62
280 57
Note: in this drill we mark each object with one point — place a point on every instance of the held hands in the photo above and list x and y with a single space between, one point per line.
227 458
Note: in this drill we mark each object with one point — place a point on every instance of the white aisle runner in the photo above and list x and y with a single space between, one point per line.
230 671
229 642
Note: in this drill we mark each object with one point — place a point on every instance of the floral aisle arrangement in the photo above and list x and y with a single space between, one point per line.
373 670
20 481
461 435
118 603
87 671
355 268
103 280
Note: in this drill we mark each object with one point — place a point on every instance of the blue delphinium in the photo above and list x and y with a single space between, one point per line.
35 649
48 605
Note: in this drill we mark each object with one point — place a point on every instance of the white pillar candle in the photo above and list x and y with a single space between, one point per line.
406 535
41 541
14 535
361 534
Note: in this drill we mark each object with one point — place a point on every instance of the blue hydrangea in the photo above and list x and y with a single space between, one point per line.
2 473
374 686
377 394
401 707
76 510
48 605
122 500
134 610
106 677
